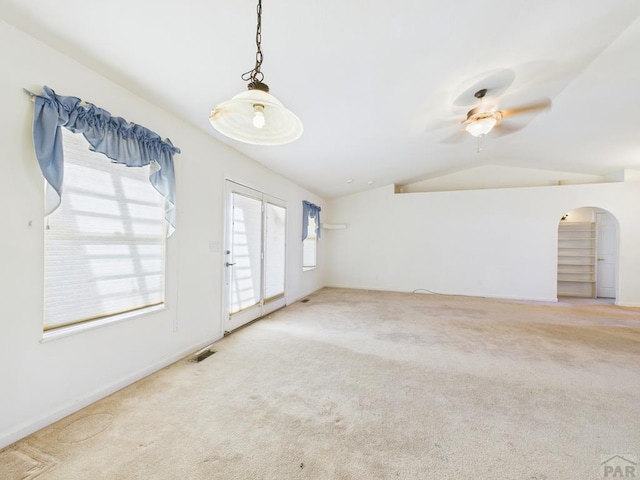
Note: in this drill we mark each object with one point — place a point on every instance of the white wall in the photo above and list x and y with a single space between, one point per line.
494 243
41 382
583 214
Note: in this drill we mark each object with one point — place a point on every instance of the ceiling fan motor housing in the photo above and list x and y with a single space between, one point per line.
481 112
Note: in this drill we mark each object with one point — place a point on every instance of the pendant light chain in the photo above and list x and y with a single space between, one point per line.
255 76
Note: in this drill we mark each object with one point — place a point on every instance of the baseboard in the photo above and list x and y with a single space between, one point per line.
7 438
519 298
372 289
300 297
426 291
627 304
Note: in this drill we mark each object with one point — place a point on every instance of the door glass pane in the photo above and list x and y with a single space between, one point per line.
274 248
246 239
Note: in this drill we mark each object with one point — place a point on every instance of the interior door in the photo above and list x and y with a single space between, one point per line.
606 254
255 252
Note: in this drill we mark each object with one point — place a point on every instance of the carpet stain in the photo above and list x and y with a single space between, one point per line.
85 428
24 462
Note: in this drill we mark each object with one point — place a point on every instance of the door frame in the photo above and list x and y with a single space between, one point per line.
264 306
589 214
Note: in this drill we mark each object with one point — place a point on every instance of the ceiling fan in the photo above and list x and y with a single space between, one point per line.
484 117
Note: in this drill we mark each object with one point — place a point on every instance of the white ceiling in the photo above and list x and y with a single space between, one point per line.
380 86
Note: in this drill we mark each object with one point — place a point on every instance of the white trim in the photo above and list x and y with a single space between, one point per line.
62 332
626 304
333 226
425 292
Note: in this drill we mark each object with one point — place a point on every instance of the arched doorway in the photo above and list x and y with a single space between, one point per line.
587 253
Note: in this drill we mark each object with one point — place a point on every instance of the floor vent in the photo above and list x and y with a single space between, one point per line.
305 300
202 355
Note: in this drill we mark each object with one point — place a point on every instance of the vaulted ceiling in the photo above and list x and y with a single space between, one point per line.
381 87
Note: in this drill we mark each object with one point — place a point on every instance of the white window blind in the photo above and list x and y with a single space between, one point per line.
309 246
105 244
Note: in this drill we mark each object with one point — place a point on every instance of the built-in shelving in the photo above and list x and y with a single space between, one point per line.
577 259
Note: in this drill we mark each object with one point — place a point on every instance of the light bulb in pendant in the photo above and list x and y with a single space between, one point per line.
258 116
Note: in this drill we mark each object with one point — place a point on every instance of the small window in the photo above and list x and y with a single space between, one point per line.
105 244
309 246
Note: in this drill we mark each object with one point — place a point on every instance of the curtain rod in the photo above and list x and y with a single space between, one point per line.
30 93
33 95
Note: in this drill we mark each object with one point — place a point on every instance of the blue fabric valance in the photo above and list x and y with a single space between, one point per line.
122 142
310 210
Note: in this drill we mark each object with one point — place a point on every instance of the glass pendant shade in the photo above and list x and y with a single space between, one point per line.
481 126
256 117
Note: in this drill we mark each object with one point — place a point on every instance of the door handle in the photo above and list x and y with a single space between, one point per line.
601 259
227 264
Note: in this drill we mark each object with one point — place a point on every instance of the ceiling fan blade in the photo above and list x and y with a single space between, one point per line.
501 129
544 104
456 137
442 123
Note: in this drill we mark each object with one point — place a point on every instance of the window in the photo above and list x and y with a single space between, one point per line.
105 244
309 245
310 234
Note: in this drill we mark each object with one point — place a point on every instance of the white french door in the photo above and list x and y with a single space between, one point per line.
255 252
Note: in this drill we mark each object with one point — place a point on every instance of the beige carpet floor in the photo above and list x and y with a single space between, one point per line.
372 385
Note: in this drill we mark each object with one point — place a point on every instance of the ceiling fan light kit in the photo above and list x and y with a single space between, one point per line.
255 116
481 126
484 117
481 119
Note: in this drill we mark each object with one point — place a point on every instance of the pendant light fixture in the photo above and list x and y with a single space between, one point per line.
256 116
